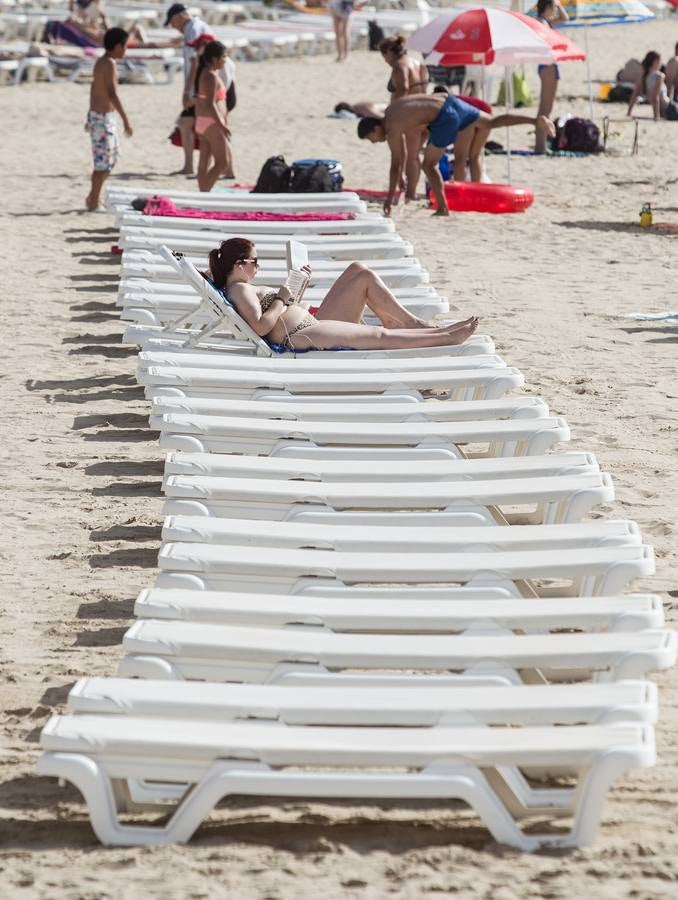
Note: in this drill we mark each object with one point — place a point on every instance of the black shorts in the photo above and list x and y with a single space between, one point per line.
188 113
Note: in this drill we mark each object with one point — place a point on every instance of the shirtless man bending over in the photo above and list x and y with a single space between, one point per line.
449 121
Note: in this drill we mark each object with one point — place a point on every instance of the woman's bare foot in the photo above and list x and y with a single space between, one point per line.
183 172
461 334
456 326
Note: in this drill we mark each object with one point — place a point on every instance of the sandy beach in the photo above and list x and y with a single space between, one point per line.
81 471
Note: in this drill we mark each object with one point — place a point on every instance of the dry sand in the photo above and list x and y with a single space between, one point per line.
81 472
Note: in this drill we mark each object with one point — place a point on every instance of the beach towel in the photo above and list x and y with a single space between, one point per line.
654 317
163 206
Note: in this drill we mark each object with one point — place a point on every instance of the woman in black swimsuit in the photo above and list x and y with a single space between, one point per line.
273 315
408 76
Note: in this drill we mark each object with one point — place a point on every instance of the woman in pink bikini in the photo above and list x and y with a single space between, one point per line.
211 116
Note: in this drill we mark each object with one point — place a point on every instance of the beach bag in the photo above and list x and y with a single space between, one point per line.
274 177
175 139
311 176
375 34
230 97
620 93
580 136
522 95
672 111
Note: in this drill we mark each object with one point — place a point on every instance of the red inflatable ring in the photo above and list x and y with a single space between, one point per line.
470 196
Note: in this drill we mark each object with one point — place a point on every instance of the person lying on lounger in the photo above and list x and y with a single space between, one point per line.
274 315
449 120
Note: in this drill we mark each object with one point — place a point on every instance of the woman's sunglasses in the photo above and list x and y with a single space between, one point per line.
255 261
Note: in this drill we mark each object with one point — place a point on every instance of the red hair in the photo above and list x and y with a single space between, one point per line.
224 257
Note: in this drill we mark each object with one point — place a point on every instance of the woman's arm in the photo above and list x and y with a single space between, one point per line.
656 94
210 81
637 91
559 13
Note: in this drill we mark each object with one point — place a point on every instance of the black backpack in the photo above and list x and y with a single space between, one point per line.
620 93
274 177
580 136
313 179
375 34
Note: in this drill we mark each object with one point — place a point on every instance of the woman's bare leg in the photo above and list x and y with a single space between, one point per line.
203 160
358 287
547 96
217 144
330 334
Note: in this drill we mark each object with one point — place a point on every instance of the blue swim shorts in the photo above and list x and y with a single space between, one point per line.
540 69
455 115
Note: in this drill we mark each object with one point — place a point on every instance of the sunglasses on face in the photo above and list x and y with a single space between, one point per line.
255 262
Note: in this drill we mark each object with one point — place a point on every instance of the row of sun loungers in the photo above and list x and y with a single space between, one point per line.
377 577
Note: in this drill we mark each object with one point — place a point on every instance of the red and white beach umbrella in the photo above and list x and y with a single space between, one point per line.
481 37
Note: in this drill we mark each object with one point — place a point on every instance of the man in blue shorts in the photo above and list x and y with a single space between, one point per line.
449 120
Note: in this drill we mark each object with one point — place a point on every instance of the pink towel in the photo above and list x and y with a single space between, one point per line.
163 206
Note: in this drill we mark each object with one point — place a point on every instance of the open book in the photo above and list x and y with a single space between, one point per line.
297 280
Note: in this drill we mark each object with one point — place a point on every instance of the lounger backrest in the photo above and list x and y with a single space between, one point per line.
214 305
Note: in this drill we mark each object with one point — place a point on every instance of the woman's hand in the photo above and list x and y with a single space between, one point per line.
284 294
307 269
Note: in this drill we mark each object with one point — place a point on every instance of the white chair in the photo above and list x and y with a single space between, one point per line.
217 434
244 201
180 650
480 383
551 500
437 537
605 570
102 754
463 610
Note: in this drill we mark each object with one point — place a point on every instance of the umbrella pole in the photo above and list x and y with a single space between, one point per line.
508 130
588 70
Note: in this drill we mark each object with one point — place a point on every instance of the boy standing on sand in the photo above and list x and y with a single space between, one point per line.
103 105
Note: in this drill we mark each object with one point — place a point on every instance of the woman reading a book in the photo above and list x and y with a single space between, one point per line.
275 314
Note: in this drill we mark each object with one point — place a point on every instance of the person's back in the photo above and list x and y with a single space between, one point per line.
103 77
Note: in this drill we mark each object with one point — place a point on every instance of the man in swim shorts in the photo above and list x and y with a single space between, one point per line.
449 120
103 105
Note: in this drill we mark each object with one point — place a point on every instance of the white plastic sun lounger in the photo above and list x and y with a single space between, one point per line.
220 229
211 305
596 571
405 272
375 410
315 364
468 702
217 434
244 201
101 754
366 223
303 468
391 615
526 705
199 242
179 651
395 538
558 499
480 383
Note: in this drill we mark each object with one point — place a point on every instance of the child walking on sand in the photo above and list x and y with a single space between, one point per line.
103 105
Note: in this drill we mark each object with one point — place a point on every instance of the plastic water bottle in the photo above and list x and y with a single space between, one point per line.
646 216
